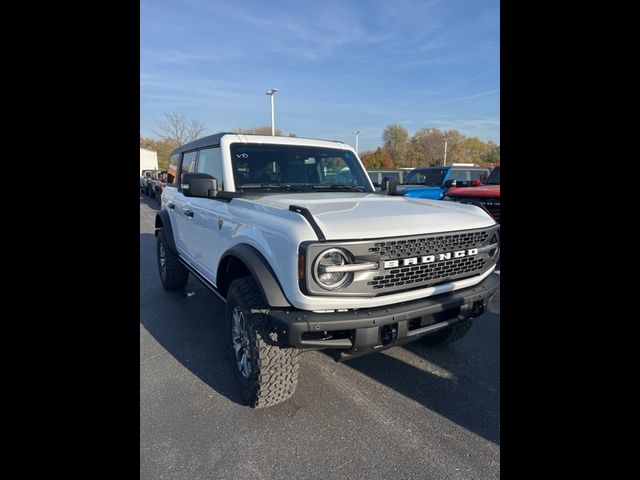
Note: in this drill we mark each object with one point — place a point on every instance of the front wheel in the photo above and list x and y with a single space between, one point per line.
267 374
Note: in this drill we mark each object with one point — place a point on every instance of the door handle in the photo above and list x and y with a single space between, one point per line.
170 205
188 213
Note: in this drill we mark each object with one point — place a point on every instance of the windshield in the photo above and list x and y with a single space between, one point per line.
494 178
432 177
296 168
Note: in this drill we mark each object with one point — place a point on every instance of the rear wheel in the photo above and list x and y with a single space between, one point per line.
450 334
267 373
173 275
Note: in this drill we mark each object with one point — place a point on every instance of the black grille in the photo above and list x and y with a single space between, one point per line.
428 245
433 272
491 204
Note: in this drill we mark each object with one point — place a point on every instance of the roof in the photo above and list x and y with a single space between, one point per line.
201 142
212 140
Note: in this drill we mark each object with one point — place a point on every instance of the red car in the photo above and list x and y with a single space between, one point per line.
487 194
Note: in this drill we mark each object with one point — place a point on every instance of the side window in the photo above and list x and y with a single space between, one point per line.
172 170
458 175
188 161
481 174
210 162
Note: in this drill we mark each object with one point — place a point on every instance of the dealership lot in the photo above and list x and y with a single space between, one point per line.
409 412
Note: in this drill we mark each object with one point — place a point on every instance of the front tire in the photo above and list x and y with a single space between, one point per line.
449 334
173 275
267 373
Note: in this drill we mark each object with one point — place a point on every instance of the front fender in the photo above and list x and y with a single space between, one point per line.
261 272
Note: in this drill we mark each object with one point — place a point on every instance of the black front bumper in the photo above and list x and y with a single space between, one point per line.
362 331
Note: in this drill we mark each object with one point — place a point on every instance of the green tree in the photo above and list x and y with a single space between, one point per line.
396 141
492 153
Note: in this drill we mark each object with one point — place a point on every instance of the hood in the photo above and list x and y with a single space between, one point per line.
491 191
354 215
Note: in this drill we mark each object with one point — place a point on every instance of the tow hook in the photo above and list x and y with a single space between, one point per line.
388 333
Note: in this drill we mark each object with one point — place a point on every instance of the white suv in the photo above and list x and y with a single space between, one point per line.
305 262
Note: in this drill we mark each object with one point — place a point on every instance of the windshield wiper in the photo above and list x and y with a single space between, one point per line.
330 186
269 186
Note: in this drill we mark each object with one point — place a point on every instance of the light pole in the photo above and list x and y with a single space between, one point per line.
271 93
356 132
445 150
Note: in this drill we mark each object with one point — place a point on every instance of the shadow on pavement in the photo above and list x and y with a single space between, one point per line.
460 381
188 328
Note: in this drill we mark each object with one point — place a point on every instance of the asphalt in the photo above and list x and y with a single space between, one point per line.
411 412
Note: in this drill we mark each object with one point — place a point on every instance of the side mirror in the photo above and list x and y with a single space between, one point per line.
476 182
450 183
200 185
392 187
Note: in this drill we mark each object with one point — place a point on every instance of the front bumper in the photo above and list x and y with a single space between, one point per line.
362 331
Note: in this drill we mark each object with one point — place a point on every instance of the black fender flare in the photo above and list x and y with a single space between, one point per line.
260 270
164 222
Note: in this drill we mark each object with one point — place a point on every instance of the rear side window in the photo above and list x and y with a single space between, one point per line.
172 170
210 162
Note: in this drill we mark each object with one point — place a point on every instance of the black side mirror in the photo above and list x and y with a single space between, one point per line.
450 183
199 185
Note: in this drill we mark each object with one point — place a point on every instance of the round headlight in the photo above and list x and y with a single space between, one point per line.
330 280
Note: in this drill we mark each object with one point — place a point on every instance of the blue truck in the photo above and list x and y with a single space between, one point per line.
433 182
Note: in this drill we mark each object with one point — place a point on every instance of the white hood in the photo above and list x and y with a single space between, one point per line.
355 215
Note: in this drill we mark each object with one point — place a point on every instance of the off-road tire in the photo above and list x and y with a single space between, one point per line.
174 276
273 374
449 334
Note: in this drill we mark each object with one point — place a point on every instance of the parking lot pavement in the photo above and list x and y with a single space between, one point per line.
411 412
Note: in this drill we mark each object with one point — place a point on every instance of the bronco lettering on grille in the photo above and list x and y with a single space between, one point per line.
429 258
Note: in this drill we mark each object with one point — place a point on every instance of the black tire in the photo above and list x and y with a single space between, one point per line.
152 193
271 373
146 191
450 334
173 275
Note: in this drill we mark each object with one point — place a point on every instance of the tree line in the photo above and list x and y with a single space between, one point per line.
424 148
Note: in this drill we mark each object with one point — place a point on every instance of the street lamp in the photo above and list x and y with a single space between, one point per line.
445 150
356 132
271 93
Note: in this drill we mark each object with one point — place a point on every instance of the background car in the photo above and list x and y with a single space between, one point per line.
487 194
433 182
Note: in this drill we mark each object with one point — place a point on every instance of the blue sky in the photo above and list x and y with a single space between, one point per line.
340 65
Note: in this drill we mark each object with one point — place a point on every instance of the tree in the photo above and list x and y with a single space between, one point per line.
178 129
396 140
492 153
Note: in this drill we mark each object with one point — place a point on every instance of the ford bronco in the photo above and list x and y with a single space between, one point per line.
303 261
